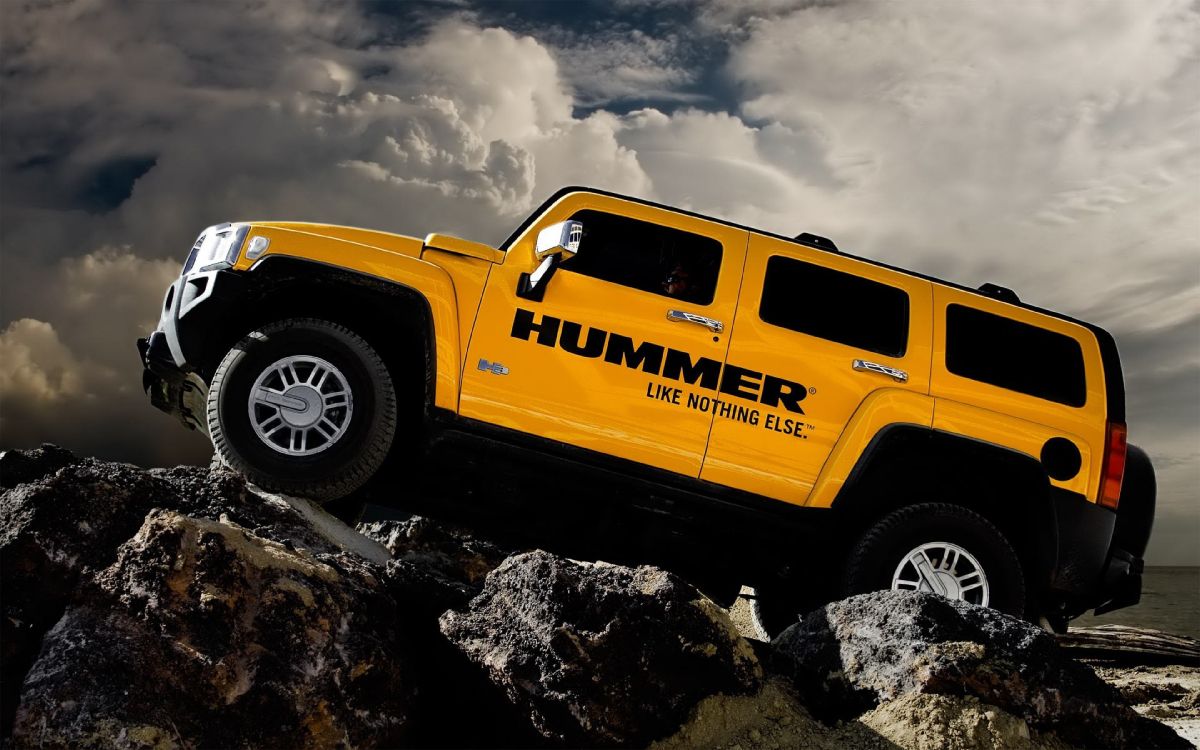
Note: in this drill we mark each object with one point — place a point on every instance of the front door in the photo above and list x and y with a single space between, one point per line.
830 328
608 359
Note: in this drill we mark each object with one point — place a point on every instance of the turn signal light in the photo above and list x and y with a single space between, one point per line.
1112 471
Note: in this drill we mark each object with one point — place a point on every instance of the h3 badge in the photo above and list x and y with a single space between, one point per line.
494 368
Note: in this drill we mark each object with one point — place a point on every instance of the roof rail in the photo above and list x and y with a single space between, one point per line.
1002 293
817 241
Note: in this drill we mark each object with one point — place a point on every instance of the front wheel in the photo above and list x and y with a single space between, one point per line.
303 406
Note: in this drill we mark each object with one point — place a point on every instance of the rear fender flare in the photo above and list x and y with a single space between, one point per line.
907 463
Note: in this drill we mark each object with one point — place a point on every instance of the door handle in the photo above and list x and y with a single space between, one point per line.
900 376
679 316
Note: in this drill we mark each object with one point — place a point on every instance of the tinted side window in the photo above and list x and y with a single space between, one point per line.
646 256
1014 355
835 306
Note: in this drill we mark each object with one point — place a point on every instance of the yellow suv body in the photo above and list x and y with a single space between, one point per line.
736 403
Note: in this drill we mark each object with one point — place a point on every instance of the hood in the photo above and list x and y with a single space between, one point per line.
393 243
458 246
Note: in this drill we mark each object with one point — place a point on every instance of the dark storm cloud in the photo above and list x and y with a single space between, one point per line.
995 143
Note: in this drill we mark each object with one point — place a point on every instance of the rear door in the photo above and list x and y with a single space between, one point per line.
607 360
817 332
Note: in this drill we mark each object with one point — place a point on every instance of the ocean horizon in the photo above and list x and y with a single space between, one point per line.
1170 602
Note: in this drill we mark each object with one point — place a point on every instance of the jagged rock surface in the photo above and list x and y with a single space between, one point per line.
171 620
182 608
19 467
865 650
601 654
204 619
53 531
439 564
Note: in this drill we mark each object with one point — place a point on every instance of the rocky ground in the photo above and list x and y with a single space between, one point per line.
181 609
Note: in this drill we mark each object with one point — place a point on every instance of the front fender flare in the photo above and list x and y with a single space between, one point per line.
429 281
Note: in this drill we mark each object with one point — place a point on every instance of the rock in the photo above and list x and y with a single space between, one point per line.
1170 693
21 467
771 718
437 567
433 562
918 721
182 608
219 493
200 619
148 663
600 654
775 718
868 649
51 532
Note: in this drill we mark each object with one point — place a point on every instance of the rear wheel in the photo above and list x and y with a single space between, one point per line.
303 406
941 549
932 547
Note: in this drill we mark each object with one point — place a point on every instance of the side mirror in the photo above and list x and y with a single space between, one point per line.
555 244
562 237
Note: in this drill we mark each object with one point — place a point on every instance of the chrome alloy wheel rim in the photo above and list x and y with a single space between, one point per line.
943 568
301 405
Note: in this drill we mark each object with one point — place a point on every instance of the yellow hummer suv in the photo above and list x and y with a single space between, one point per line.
746 407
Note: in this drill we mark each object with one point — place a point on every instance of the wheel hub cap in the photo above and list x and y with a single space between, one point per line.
305 410
943 568
300 405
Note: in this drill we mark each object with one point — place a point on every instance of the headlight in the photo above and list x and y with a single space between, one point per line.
216 247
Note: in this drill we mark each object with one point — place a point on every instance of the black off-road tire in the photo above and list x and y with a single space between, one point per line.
352 458
873 560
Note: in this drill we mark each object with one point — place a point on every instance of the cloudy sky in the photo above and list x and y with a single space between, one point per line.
1049 146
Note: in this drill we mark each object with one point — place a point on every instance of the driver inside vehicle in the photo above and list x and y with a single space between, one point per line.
677 282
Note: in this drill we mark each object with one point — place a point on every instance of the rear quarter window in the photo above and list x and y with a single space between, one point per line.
1017 356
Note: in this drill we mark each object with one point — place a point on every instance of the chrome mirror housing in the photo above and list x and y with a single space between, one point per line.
561 238
555 243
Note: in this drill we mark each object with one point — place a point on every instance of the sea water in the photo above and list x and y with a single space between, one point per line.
1170 602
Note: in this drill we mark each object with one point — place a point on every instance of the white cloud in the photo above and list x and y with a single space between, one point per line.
35 366
1058 132
621 63
508 87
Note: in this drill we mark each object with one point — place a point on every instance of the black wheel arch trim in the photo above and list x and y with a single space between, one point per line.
902 458
266 280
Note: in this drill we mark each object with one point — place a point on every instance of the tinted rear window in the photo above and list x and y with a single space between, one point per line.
1017 356
835 306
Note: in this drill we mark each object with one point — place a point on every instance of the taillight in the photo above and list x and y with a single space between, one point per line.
1113 469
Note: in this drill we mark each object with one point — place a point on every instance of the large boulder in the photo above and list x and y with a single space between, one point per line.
858 652
601 654
203 633
435 567
69 520
440 565
82 571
